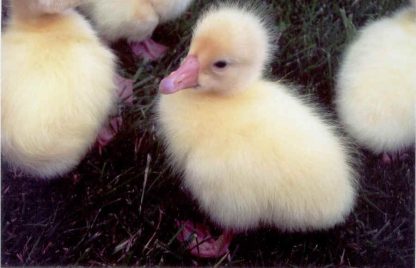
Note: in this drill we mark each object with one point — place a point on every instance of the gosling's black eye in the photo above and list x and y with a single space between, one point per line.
220 64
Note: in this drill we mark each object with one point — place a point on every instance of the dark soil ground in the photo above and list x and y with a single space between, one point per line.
119 208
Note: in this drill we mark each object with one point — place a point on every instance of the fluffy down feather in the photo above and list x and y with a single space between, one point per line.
251 152
134 20
376 84
57 90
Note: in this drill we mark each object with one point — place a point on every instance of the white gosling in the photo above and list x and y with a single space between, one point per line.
134 20
251 152
376 84
57 88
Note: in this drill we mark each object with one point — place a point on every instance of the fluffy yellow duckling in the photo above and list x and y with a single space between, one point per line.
376 84
134 20
251 152
57 88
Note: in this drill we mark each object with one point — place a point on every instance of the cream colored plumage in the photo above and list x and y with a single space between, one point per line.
57 89
376 84
134 20
251 152
37 7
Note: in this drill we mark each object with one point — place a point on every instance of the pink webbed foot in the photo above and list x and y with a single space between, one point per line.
200 242
108 132
125 96
148 49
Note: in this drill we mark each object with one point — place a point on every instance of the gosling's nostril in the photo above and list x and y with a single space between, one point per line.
180 79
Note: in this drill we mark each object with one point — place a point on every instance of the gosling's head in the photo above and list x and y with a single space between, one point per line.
230 47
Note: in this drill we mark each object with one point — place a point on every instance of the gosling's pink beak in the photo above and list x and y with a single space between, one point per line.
184 77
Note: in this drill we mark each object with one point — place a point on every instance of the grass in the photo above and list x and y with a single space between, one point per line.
119 208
